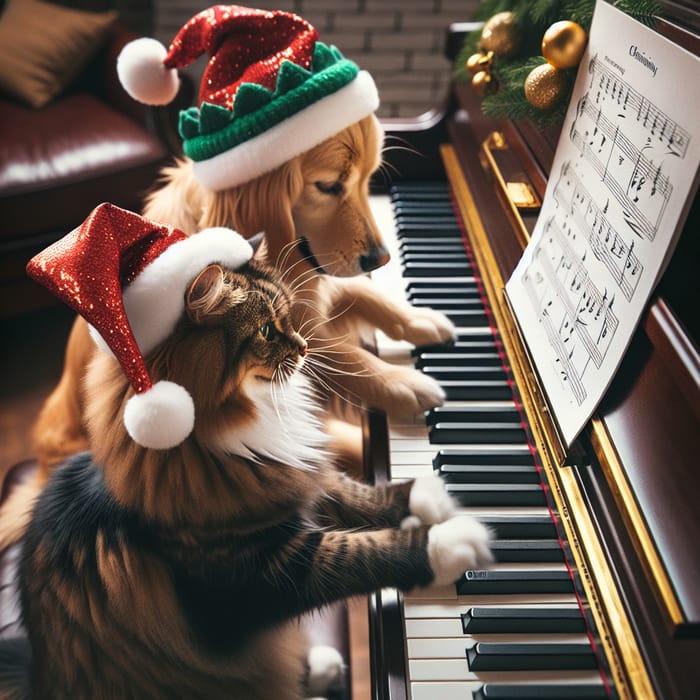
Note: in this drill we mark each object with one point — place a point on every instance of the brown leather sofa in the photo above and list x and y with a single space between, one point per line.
90 144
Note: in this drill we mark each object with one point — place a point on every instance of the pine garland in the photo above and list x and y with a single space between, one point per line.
533 18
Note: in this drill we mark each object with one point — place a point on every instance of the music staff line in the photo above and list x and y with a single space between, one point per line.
658 123
591 309
566 370
607 245
644 174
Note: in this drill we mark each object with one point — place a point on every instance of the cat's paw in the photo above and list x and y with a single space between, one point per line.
428 327
409 393
429 501
456 545
326 670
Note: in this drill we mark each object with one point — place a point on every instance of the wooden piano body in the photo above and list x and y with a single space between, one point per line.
626 499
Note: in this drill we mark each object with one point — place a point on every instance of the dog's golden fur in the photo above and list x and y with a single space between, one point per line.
322 196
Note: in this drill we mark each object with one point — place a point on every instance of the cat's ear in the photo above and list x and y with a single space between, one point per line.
206 299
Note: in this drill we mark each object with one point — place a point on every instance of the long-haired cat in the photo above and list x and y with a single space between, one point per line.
182 572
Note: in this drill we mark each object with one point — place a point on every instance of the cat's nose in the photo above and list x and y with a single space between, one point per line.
302 345
375 257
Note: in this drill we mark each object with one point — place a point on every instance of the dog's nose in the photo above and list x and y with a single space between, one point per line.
377 256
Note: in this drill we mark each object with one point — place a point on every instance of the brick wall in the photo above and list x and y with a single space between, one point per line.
400 42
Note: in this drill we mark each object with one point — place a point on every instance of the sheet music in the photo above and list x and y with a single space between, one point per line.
623 177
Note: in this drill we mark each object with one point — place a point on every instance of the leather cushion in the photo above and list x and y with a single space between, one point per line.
77 138
59 163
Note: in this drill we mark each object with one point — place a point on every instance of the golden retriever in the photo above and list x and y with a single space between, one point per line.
318 227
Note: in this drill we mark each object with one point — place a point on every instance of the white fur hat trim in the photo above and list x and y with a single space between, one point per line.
155 300
161 417
143 74
291 137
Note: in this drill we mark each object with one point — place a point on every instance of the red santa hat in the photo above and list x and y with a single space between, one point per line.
128 276
270 91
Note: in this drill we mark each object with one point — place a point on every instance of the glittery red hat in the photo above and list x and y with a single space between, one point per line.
270 91
127 276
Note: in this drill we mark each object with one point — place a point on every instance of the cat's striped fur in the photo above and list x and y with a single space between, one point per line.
181 573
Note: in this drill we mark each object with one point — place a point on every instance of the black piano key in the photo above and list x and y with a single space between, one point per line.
490 474
409 229
436 269
450 297
514 581
476 433
512 551
540 691
531 656
469 414
492 619
416 187
441 245
470 495
439 256
429 208
494 455
526 526
476 390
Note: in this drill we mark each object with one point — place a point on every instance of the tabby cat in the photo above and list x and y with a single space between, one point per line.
182 573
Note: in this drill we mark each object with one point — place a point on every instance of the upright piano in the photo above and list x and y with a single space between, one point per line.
596 588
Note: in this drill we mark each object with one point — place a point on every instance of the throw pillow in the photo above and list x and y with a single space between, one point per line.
43 47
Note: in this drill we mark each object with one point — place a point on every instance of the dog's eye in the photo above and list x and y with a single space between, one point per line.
267 331
335 188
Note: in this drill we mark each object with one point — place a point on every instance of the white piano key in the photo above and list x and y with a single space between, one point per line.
445 690
462 690
456 647
458 670
433 627
454 606
425 627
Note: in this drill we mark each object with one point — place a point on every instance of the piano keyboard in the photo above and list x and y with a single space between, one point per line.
515 630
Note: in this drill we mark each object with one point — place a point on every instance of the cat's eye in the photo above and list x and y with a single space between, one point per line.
333 188
267 331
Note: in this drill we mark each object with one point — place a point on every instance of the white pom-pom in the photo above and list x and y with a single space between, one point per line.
143 74
161 417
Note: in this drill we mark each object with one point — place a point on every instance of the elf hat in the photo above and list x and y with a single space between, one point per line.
270 91
128 276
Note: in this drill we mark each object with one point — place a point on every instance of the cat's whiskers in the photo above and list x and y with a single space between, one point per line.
326 383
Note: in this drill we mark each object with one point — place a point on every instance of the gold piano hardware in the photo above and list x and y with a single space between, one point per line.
601 592
491 278
616 638
515 195
635 523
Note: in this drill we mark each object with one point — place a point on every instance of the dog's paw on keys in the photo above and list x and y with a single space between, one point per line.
429 501
428 327
409 393
456 545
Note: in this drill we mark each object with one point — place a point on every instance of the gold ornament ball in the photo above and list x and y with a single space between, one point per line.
481 82
563 44
545 86
479 61
500 35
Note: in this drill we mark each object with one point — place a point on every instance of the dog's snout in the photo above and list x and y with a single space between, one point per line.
377 256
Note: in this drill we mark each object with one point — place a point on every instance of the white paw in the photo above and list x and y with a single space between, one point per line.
456 545
427 327
409 393
326 670
410 522
430 501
